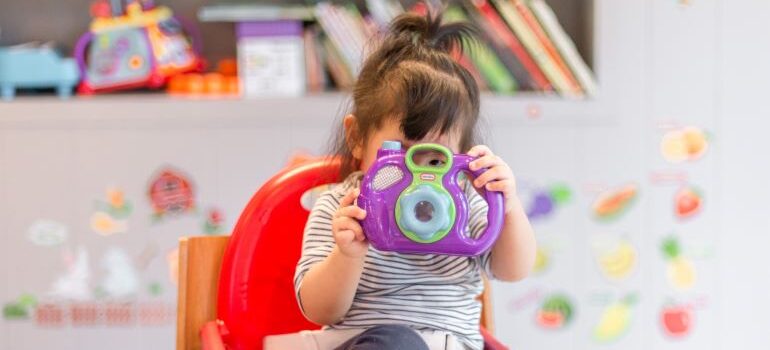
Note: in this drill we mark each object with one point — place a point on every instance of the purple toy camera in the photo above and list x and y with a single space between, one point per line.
419 207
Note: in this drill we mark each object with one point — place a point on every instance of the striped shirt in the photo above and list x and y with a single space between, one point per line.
424 292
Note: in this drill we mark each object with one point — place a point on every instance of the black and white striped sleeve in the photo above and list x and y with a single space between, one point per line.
477 223
317 241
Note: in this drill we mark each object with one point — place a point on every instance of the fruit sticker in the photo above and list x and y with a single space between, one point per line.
545 200
171 193
111 216
615 320
556 312
688 202
611 204
676 320
680 271
684 144
617 260
542 260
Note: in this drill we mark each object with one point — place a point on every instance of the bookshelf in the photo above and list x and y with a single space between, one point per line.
582 19
317 111
525 46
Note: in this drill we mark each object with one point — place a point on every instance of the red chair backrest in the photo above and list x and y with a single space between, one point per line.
256 284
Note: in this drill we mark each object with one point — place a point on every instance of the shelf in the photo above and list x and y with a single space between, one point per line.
312 111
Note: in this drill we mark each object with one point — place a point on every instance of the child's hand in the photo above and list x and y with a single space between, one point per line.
498 177
345 227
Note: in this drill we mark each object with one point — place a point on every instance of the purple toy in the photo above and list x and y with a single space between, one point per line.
420 208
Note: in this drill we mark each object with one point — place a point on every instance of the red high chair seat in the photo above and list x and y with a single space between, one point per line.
256 289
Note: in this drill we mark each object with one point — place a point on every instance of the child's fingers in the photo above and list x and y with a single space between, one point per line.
352 211
345 223
495 173
479 150
344 237
349 198
498 186
486 161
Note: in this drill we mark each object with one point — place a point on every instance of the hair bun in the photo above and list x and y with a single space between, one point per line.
430 31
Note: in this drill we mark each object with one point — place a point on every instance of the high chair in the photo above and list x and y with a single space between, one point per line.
235 291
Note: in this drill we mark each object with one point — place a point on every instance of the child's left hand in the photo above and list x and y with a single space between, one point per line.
498 177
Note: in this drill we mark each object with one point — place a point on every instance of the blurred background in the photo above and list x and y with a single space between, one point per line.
636 129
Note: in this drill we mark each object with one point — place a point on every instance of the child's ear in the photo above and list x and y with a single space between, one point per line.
350 123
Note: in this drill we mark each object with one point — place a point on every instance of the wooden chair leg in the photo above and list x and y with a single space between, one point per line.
200 259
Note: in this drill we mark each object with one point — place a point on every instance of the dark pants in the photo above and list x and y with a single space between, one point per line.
386 337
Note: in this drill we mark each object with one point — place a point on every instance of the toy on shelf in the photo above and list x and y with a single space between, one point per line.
415 204
30 66
222 83
136 45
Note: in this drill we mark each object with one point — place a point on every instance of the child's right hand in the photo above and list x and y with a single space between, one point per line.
346 229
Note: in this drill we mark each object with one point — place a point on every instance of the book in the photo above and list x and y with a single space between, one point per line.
523 79
535 48
529 17
504 35
254 12
564 44
313 66
496 75
384 11
271 59
339 72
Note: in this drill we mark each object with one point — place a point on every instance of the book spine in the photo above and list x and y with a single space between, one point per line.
564 44
535 48
312 62
337 36
510 40
340 74
528 17
495 73
500 50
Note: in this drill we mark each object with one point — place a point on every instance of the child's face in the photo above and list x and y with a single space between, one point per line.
391 131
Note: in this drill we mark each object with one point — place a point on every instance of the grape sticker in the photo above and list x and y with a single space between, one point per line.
556 312
544 201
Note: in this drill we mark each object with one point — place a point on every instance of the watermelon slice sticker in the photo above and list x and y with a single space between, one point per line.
613 203
555 313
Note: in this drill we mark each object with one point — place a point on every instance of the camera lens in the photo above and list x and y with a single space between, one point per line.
424 211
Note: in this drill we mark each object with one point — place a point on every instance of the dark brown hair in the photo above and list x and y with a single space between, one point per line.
413 76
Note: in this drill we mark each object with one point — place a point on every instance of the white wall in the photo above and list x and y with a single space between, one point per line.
659 62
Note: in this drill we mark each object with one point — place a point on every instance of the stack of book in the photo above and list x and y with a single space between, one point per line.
522 46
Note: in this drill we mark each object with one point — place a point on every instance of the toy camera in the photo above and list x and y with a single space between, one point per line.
141 46
419 206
